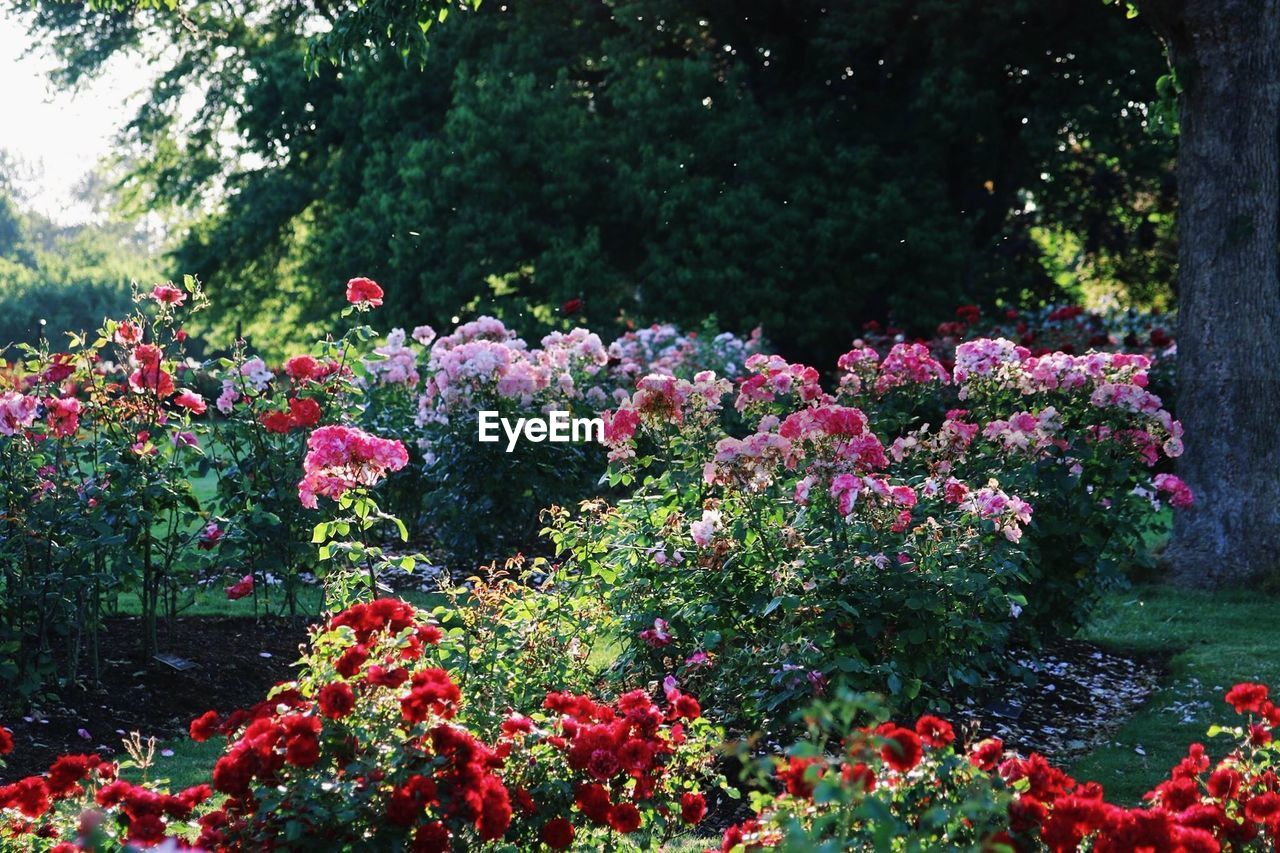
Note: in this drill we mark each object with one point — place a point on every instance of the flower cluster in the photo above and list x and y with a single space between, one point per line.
369 731
629 768
909 364
483 361
1202 806
921 788
771 377
662 348
341 458
81 803
428 390
906 481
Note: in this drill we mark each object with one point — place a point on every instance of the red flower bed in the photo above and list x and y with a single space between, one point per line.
372 745
912 783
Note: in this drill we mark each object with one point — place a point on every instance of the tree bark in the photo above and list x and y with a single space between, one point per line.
1226 55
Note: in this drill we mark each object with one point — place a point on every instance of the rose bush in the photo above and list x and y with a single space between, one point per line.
371 748
258 436
890 786
880 537
97 453
1080 438
1070 329
480 500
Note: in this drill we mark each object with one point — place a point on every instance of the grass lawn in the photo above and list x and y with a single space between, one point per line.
1215 639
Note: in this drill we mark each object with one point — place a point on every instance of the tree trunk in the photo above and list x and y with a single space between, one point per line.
1226 54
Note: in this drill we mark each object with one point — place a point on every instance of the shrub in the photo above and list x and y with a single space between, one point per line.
1075 436
803 541
521 630
892 786
481 501
258 439
371 748
98 452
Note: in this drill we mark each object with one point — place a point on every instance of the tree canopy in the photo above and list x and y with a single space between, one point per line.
799 165
57 278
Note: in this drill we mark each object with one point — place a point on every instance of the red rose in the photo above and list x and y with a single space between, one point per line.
1247 697
624 818
241 588
495 809
901 749
431 838
573 306
6 741
408 802
516 724
303 412
364 293
987 754
380 676
336 700
301 367
302 751
351 661
29 796
796 778
686 706
860 776
204 726
1264 808
693 808
593 801
636 754
603 764
1223 783
277 422
67 771
557 834
433 692
1026 812
934 731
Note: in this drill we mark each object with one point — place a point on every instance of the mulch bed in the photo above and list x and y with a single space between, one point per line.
236 662
1081 694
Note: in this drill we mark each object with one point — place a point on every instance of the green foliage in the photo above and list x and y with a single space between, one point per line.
783 164
838 791
522 630
56 280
